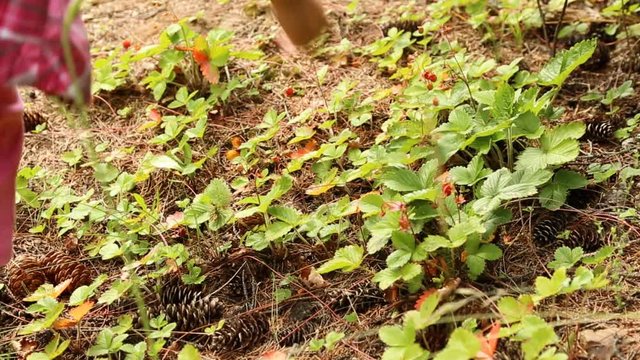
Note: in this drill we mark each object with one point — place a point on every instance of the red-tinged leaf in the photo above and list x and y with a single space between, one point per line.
310 146
200 56
404 223
210 72
274 355
425 295
174 219
394 206
155 115
488 342
76 314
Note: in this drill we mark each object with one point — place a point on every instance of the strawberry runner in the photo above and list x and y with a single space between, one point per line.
31 54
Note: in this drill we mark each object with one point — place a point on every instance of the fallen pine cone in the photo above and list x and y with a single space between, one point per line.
59 267
32 119
25 276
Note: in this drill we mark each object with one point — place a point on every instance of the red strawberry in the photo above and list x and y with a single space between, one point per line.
126 44
289 92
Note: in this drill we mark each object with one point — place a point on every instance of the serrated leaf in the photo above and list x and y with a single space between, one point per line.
385 278
462 345
556 71
346 259
285 213
476 265
165 162
105 172
277 230
566 257
399 179
503 103
410 271
546 287
398 258
218 193
396 335
558 146
471 174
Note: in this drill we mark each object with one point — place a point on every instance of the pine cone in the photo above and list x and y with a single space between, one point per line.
175 292
548 226
409 26
599 131
359 299
584 233
239 333
60 267
32 119
194 316
298 333
508 350
25 276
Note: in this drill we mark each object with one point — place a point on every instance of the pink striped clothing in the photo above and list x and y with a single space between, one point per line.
31 54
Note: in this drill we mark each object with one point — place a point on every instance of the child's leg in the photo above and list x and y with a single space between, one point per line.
11 137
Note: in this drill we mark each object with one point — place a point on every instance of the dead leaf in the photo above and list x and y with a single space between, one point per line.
76 314
489 342
315 190
314 279
601 344
310 146
274 355
173 266
24 347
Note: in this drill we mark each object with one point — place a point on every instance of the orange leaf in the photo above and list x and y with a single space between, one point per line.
489 342
210 72
425 295
310 146
200 56
76 314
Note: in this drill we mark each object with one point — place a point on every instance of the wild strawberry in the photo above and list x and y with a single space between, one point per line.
435 101
232 154
289 92
447 188
460 199
429 76
404 223
430 86
236 141
126 44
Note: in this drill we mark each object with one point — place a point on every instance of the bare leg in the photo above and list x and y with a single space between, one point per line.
302 20
11 139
